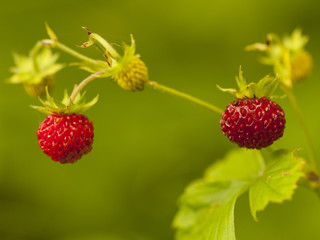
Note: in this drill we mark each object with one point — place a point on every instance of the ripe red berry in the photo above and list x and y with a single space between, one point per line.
253 122
65 138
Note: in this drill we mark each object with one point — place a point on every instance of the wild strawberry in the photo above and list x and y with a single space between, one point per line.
65 138
253 122
65 134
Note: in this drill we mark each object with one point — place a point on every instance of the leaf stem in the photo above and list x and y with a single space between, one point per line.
303 125
82 84
177 93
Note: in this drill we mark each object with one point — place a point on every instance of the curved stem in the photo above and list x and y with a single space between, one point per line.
82 84
303 125
172 91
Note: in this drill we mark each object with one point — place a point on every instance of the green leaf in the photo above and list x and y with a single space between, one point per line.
208 210
222 223
207 205
218 225
51 33
277 183
241 164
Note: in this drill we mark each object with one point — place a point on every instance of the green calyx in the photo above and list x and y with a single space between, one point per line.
128 56
275 47
126 69
114 62
65 107
33 69
281 52
264 88
296 42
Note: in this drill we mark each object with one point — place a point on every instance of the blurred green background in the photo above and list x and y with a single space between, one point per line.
148 145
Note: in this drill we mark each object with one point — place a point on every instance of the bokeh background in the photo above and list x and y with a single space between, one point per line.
148 145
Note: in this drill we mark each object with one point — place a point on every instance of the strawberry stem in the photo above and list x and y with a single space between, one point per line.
154 85
74 53
64 48
303 125
172 91
81 86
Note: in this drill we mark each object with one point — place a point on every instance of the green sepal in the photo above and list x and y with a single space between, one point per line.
128 55
296 41
32 69
93 68
279 53
276 47
264 88
102 45
118 64
52 106
51 34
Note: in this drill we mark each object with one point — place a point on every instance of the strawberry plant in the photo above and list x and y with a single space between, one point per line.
253 120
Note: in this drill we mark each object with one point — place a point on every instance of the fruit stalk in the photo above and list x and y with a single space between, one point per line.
66 49
105 45
82 84
172 91
303 125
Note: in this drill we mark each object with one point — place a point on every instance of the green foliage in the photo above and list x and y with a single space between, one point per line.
207 205
277 183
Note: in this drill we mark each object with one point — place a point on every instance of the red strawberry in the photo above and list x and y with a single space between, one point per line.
65 135
253 122
65 138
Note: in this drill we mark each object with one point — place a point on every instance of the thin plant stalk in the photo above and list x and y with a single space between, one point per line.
304 128
68 50
154 85
82 84
74 53
172 91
